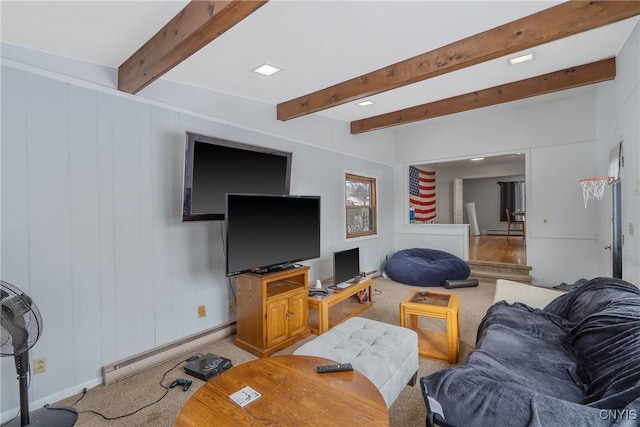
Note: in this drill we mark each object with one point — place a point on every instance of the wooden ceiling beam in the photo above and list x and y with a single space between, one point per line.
563 20
199 23
569 78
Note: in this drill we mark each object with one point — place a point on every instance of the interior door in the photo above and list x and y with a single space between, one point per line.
616 164
616 231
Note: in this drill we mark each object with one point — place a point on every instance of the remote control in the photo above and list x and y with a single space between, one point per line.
334 368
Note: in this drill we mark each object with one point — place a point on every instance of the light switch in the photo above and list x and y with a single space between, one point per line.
630 229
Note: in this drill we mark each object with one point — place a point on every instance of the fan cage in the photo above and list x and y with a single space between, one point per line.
17 304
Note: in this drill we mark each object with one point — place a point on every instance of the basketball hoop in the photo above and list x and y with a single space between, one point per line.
593 188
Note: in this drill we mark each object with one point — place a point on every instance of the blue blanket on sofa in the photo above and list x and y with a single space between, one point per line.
575 363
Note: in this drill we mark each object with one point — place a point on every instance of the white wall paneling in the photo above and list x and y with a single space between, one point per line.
85 232
452 238
48 214
618 109
15 239
92 230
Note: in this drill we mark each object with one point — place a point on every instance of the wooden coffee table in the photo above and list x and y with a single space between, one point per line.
293 393
434 344
326 311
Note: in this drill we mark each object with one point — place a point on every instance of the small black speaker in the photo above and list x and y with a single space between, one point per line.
468 283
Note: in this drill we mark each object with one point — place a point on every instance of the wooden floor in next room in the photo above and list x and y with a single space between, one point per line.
511 250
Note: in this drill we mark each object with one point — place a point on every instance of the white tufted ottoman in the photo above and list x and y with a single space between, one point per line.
386 354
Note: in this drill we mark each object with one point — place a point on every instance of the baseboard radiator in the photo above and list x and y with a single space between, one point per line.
185 346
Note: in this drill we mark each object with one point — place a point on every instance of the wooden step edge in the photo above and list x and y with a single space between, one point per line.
494 276
494 264
506 270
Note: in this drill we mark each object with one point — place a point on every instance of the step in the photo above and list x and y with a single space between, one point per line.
502 267
493 276
514 233
491 271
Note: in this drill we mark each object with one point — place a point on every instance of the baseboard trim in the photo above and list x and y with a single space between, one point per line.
139 362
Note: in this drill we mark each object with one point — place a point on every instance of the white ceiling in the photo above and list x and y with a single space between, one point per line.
316 43
490 161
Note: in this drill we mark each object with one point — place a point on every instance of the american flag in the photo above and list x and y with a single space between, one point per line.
422 193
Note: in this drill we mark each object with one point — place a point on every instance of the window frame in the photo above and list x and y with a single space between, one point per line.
373 206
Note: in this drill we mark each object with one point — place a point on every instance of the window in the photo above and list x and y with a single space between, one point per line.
360 203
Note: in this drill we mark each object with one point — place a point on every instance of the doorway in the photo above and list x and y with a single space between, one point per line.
511 250
457 180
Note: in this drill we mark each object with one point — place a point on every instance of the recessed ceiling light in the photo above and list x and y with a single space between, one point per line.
520 59
365 103
475 159
266 70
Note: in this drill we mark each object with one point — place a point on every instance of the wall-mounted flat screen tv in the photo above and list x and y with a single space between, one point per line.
270 232
214 167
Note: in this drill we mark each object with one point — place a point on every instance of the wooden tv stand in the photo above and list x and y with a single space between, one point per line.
272 310
326 311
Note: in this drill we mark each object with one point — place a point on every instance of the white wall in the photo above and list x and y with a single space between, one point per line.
91 218
452 238
618 110
553 119
557 133
485 193
562 243
567 136
447 172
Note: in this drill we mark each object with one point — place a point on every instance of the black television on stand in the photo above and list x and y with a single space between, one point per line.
346 268
214 167
267 233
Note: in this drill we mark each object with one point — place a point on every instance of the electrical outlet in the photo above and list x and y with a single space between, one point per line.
39 365
230 306
202 311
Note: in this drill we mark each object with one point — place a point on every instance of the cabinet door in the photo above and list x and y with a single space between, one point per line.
277 327
298 314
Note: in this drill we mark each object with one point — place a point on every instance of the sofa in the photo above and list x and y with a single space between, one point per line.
574 362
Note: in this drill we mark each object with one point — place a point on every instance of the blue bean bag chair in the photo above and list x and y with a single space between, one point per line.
425 267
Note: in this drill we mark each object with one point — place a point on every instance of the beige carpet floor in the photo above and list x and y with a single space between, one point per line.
128 395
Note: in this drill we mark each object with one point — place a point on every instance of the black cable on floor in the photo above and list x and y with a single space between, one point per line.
166 391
